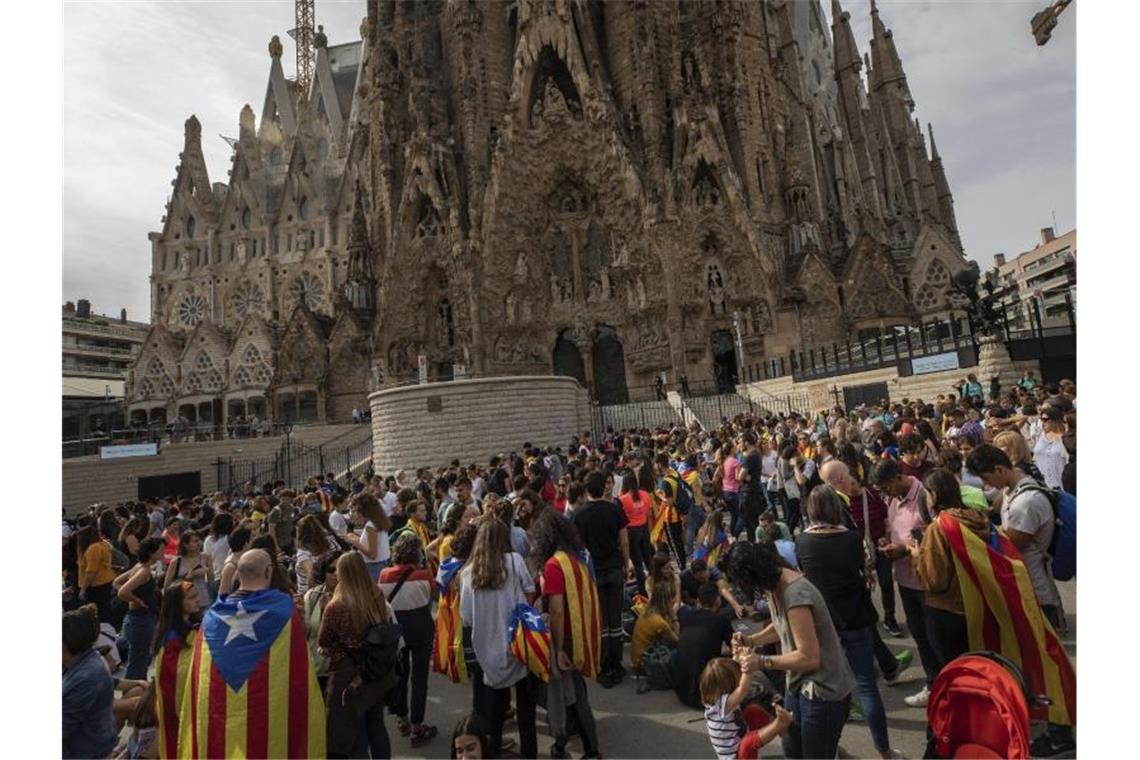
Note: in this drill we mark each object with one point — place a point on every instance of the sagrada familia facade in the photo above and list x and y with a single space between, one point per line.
609 190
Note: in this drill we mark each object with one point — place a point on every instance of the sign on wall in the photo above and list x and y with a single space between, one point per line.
422 362
938 363
128 450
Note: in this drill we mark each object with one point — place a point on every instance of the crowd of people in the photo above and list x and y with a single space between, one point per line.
738 562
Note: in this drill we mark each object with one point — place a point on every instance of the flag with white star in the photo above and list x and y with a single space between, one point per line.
530 640
252 691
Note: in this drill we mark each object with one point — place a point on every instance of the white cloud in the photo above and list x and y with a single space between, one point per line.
1004 115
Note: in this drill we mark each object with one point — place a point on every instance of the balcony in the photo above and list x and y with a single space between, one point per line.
78 369
85 350
133 334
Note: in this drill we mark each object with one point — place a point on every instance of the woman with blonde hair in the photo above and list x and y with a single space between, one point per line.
1017 449
657 623
355 706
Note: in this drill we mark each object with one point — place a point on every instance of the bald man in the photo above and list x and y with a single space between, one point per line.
255 571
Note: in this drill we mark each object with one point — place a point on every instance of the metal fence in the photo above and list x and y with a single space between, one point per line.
294 464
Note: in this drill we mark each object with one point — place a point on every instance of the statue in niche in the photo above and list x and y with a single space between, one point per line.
241 252
641 300
706 192
555 289
622 255
527 312
521 271
630 296
184 263
509 308
715 286
302 238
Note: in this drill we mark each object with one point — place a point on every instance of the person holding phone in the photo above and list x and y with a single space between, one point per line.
907 511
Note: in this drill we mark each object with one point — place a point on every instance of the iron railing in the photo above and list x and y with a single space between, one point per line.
294 464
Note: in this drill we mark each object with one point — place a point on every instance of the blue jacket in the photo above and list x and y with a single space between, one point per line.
88 694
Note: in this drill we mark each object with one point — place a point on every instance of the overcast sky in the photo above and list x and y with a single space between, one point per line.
1003 109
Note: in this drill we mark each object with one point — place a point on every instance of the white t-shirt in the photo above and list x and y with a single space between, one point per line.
383 551
303 556
389 503
338 523
217 549
477 487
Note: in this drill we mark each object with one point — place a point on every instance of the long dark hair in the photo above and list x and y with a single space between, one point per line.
170 617
947 492
551 532
84 537
630 485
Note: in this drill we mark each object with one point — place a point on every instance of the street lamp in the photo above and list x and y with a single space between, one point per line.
1044 22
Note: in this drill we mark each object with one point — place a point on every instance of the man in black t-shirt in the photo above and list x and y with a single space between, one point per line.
704 632
601 525
751 495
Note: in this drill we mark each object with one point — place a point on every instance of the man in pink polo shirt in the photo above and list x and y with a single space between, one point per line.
907 513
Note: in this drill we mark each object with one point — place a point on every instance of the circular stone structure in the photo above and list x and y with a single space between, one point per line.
431 424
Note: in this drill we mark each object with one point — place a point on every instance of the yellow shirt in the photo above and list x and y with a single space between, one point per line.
97 559
649 627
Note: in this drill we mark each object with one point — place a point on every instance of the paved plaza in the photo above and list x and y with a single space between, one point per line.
657 725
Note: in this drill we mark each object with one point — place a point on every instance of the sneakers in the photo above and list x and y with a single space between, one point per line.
920 699
904 659
891 627
1049 744
423 733
855 714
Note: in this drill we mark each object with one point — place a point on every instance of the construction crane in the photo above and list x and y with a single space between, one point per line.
302 34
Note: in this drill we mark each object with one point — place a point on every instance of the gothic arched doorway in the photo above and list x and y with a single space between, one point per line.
567 359
724 362
609 367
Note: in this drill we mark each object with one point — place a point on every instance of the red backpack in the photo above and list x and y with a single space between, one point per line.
979 708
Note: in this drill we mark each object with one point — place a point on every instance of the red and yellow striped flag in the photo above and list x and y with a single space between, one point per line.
1003 615
530 640
447 652
171 668
584 612
663 513
252 689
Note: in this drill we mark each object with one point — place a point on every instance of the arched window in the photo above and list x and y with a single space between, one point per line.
304 208
246 218
191 226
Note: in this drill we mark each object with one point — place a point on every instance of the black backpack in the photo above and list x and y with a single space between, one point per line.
379 658
381 651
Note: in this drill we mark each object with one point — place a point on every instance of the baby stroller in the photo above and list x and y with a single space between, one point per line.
979 708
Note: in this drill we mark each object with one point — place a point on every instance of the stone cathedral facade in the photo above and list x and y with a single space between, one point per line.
609 190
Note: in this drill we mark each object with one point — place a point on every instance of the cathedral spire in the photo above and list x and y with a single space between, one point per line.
942 190
846 51
888 66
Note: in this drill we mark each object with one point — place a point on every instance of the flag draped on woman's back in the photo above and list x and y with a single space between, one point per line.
447 651
584 612
1003 615
172 666
252 691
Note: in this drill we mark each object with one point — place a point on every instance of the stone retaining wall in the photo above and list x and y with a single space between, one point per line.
429 425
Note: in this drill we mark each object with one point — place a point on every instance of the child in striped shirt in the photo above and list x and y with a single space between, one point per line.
736 733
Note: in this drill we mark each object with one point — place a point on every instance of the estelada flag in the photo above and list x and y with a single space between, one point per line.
584 611
1003 615
171 667
530 640
711 555
252 691
447 652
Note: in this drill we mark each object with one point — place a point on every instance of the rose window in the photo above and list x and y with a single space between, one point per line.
309 289
247 299
191 310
